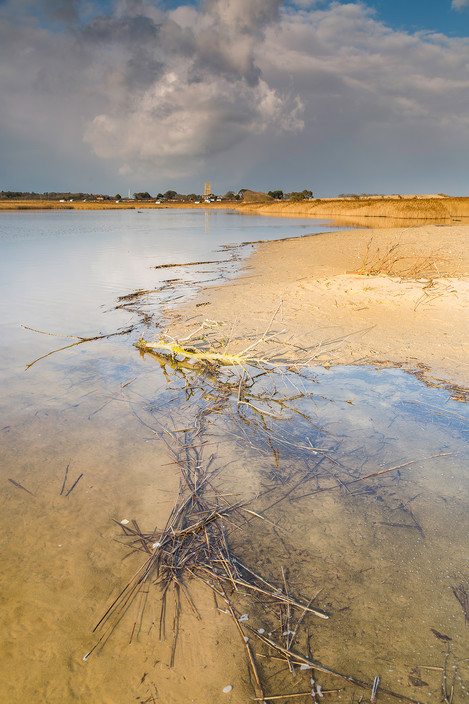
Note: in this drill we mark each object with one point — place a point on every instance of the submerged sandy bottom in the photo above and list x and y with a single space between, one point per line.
382 556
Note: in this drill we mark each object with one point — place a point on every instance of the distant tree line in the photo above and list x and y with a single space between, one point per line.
169 195
51 195
172 195
294 195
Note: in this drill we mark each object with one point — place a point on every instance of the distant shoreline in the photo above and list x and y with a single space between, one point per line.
419 208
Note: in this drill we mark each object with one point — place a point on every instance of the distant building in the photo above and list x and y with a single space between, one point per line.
207 189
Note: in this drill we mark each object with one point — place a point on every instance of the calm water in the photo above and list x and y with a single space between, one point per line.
62 272
384 556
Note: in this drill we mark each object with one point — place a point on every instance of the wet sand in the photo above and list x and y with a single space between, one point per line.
418 321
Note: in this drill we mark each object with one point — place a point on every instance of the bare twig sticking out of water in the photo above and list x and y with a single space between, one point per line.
213 261
80 340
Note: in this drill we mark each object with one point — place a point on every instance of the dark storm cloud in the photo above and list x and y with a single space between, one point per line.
66 10
132 30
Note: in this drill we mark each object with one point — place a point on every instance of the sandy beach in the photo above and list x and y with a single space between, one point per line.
395 297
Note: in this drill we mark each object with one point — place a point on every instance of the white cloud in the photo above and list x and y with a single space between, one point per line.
205 93
459 4
148 88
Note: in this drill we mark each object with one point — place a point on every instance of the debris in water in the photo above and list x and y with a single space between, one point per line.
74 485
124 522
374 690
20 486
440 636
227 689
243 618
65 479
415 680
80 340
461 594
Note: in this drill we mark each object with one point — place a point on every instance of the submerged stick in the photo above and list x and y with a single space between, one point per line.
250 655
316 665
462 596
295 695
276 594
173 266
372 475
74 485
65 479
20 486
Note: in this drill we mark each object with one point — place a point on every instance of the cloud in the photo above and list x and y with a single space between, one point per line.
459 4
148 90
203 91
67 10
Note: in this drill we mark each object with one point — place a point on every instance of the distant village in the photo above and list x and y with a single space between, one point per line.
170 196
244 195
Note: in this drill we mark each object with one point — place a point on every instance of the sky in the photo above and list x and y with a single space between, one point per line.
337 97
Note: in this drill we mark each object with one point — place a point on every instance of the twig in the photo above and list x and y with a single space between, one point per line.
65 479
74 485
20 486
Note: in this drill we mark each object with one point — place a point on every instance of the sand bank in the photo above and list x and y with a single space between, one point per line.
408 307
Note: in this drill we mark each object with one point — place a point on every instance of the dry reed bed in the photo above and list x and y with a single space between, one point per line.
408 208
421 207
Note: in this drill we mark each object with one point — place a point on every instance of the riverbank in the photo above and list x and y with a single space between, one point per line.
394 297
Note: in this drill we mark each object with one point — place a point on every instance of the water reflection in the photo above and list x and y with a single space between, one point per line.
392 222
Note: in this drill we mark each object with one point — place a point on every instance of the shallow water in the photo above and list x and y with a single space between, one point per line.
385 552
62 272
